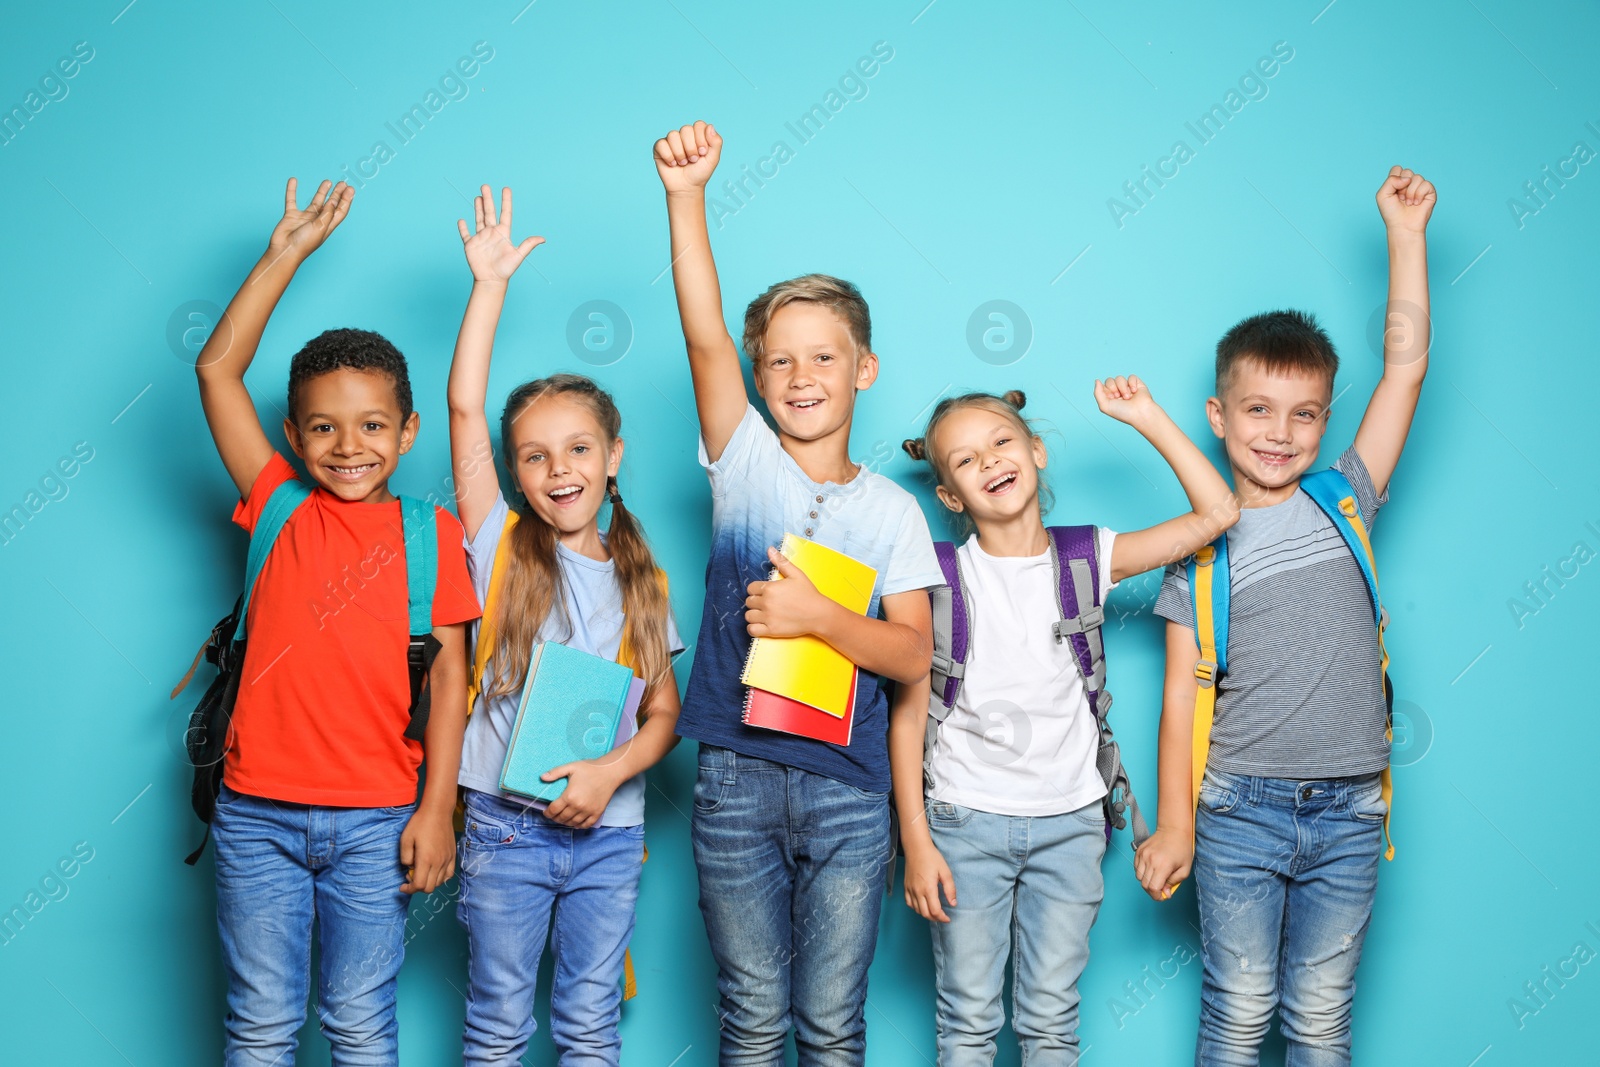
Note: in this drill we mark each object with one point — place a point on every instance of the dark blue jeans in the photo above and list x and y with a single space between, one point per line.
279 866
792 868
1285 872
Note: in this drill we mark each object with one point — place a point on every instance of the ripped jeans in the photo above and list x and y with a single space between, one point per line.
1285 872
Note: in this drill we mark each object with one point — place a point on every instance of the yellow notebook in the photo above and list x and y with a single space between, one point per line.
808 669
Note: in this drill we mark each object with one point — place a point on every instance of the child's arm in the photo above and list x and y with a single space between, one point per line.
1405 200
590 783
428 843
685 160
1214 508
898 646
926 870
493 259
1163 861
230 412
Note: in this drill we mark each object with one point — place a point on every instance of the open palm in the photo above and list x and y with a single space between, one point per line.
490 251
302 232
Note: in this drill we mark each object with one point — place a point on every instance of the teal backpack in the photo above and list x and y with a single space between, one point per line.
207 738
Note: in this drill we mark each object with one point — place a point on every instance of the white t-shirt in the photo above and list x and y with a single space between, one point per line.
1021 739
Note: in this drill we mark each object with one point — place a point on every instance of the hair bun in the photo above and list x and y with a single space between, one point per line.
916 447
1016 398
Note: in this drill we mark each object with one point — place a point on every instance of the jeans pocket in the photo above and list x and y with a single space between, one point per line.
485 832
948 816
1219 793
1093 814
1366 801
710 789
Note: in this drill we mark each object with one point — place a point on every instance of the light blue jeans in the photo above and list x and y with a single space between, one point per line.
792 868
1029 889
525 879
279 866
1285 872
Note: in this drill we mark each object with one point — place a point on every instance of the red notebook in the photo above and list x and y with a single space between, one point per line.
772 712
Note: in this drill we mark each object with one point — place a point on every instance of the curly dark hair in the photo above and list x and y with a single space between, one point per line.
1279 341
334 350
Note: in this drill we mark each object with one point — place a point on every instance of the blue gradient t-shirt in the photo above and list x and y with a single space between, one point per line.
759 493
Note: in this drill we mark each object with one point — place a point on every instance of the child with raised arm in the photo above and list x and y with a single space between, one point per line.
318 818
1284 827
1002 804
547 572
791 835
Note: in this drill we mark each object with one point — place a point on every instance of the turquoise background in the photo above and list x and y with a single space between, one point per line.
978 167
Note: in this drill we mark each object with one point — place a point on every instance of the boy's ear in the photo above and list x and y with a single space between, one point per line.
614 460
949 499
292 433
408 432
1214 415
866 370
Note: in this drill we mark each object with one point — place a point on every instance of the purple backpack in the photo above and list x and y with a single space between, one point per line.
1074 557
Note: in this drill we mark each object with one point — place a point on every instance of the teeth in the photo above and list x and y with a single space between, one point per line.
998 482
566 490
806 403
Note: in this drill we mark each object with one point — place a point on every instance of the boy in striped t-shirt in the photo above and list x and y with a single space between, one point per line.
1284 841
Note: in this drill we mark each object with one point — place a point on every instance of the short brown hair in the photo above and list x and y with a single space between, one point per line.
1280 341
835 294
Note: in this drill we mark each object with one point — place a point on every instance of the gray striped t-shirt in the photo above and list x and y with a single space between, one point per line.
1303 696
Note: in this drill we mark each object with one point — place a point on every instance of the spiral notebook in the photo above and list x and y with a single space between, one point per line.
808 669
572 708
772 712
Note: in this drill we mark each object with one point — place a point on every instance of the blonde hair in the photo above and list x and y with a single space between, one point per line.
835 294
533 582
1008 406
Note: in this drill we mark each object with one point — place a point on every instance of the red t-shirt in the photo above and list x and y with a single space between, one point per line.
324 694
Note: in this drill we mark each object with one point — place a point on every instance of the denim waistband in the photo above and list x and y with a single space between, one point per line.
1294 790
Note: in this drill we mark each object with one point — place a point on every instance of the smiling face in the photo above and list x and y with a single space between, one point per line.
1271 422
810 370
988 464
561 458
350 433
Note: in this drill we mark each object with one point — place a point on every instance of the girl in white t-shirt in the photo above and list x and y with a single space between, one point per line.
1007 860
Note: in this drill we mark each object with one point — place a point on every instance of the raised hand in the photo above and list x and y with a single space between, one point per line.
1125 399
301 233
686 157
490 253
1405 200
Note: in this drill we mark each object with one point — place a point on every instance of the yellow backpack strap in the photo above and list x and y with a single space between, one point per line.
630 984
1352 518
486 625
1202 589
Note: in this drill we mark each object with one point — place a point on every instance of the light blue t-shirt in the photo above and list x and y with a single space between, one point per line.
592 623
759 493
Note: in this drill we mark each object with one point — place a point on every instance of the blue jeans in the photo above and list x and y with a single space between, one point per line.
1029 888
1285 872
518 871
792 868
279 866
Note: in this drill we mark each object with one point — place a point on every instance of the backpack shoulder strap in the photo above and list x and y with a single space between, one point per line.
1075 559
420 530
952 627
1331 491
1208 593
283 502
484 646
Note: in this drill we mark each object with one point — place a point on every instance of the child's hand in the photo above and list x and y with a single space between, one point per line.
1163 861
427 851
1405 200
1125 399
787 607
926 874
301 233
590 784
685 158
490 253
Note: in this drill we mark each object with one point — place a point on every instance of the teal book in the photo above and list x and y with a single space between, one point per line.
572 706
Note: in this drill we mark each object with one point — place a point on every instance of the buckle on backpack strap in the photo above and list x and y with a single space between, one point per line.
1205 672
415 650
1086 621
1204 555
